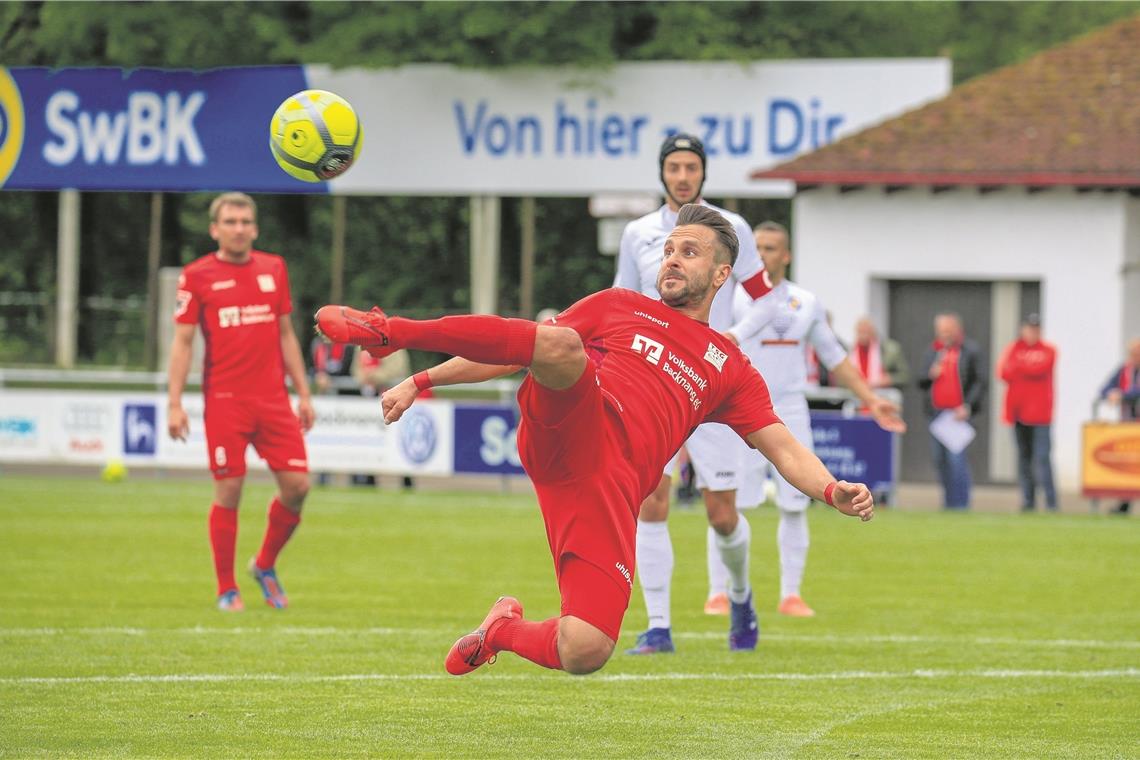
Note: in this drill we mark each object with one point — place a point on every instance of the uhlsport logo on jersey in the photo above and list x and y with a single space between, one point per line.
417 435
11 125
139 429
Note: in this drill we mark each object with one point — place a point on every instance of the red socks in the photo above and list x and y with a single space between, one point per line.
280 527
537 642
223 540
483 338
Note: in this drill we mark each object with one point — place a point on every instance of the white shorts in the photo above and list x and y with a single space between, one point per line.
717 453
757 469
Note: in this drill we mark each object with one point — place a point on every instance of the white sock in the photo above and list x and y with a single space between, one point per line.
718 573
793 541
734 553
655 569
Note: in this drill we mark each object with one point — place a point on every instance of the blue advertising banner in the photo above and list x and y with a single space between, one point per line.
855 448
434 129
485 439
144 129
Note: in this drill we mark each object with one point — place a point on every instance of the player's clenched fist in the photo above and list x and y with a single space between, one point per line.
854 499
396 400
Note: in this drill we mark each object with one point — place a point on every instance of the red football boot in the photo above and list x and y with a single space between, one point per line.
344 324
471 651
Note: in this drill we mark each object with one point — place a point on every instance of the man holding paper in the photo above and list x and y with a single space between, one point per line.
954 381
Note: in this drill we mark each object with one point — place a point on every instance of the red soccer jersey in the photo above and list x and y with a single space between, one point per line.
664 373
237 307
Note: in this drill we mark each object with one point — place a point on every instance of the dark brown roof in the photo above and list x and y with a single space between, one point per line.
1067 116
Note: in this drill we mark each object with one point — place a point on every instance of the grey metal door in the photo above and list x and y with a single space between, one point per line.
913 305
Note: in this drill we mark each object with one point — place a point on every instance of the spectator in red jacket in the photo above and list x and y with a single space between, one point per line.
1027 368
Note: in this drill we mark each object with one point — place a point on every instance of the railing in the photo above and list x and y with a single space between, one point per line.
119 378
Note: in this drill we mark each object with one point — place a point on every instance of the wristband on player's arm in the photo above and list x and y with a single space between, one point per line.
829 493
422 381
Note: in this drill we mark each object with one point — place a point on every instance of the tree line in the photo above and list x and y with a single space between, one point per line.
413 251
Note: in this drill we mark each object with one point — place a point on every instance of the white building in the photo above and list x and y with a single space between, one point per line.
1019 192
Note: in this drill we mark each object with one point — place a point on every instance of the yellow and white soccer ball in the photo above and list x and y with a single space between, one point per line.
115 471
315 135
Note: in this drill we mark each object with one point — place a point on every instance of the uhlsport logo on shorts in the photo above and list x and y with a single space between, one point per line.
139 429
11 125
417 435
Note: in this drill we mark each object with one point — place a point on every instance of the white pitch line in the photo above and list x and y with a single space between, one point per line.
850 675
443 632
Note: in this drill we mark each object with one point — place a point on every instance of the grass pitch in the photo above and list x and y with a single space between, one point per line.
938 635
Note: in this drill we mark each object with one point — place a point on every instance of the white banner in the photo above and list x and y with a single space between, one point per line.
442 130
92 428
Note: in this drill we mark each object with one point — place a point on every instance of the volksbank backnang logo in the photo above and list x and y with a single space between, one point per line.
11 125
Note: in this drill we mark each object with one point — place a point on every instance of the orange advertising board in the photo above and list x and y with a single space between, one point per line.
1110 459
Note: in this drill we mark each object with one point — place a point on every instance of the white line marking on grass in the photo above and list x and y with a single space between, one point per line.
849 675
388 631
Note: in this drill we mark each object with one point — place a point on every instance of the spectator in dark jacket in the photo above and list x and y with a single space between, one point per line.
1123 390
1027 368
1123 386
954 378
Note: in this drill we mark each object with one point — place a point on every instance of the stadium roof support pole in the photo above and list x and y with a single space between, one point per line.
153 261
67 280
526 256
336 263
485 254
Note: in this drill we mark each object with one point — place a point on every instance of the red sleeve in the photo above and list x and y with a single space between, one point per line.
748 407
587 316
188 304
1007 365
285 305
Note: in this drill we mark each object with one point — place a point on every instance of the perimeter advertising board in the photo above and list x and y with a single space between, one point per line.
441 130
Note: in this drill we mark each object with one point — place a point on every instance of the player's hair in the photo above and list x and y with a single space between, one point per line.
770 226
231 199
727 244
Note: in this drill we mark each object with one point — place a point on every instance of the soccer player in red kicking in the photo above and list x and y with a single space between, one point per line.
617 383
240 298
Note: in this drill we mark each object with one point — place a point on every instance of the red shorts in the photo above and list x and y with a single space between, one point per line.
268 423
575 454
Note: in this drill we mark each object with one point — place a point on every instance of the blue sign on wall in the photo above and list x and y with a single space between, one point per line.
140 429
485 440
144 129
855 449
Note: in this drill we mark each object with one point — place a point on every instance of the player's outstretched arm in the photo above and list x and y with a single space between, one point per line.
396 400
802 469
884 412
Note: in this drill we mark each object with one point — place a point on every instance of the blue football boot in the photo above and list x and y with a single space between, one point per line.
745 628
653 641
270 586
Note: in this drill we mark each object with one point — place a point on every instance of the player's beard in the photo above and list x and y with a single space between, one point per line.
696 197
694 291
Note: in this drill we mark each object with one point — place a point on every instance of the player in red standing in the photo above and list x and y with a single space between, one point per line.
241 299
617 383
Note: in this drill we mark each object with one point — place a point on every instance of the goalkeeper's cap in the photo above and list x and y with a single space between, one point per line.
682 141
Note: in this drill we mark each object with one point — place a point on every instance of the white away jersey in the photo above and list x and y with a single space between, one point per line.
643 249
778 349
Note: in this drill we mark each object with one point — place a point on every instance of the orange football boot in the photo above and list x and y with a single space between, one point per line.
344 324
471 651
794 606
717 604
